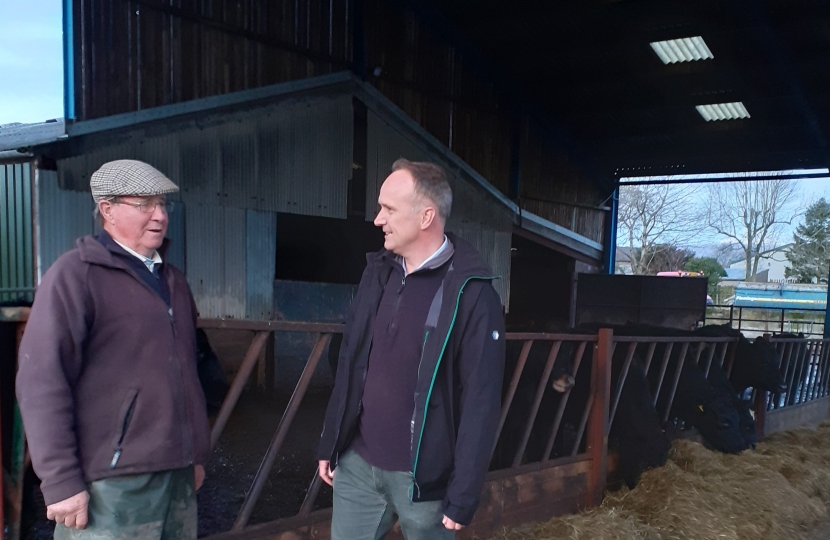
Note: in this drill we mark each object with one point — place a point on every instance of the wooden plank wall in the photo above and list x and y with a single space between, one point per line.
132 55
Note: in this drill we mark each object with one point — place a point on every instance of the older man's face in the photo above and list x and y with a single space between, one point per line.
141 230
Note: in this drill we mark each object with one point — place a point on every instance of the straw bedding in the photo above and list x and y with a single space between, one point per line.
776 492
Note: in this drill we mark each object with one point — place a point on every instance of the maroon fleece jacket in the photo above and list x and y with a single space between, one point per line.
107 380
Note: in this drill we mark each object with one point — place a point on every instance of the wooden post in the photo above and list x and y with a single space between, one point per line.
760 407
598 420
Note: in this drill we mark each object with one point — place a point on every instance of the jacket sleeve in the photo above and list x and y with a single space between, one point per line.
480 364
49 363
339 393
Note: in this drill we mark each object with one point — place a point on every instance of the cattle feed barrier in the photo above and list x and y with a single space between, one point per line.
554 466
805 365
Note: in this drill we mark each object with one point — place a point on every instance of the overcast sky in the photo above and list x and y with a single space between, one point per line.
31 60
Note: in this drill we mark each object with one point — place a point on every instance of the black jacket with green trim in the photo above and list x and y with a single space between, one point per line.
457 399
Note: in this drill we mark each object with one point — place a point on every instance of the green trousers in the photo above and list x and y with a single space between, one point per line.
152 506
367 500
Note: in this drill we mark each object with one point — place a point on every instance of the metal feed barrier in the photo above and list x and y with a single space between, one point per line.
571 470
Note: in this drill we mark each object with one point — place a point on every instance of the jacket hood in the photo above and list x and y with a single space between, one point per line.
466 260
92 251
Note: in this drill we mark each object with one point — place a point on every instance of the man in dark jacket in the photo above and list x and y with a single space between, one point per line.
411 421
107 380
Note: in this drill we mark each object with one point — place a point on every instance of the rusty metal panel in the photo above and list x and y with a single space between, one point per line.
64 216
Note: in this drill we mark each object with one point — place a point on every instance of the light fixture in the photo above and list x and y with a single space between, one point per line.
682 50
723 111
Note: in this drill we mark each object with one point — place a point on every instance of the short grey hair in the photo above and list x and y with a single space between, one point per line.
431 183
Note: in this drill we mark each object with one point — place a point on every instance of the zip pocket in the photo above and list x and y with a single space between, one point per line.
124 422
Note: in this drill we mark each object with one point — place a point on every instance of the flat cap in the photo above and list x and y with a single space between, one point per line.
128 177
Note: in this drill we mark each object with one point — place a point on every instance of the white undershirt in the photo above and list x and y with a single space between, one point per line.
149 262
437 252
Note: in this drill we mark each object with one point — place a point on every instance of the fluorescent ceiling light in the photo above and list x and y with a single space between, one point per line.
723 111
682 50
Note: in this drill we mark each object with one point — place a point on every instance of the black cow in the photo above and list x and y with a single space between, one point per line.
707 407
642 444
635 431
746 422
756 363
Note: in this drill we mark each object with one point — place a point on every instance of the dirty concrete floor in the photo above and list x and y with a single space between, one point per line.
231 469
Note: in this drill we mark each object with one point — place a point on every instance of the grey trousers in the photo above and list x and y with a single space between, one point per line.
366 500
152 506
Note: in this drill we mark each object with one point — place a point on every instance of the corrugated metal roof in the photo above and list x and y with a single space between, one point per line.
17 136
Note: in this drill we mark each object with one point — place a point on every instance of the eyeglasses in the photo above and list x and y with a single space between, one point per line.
148 206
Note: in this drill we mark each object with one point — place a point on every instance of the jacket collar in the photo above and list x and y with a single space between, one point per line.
466 261
93 251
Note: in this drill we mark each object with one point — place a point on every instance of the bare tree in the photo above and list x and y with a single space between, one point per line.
752 215
657 217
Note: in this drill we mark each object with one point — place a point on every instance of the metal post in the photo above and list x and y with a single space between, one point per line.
537 400
609 255
598 431
237 385
279 436
514 383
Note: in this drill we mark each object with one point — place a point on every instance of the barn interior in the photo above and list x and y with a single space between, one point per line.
279 120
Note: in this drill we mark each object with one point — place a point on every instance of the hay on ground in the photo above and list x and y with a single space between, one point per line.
777 492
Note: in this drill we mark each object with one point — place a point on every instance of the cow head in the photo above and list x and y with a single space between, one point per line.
756 365
720 424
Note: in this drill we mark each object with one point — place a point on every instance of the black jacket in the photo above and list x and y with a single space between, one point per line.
460 379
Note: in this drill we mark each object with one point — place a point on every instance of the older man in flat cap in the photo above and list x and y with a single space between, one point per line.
107 383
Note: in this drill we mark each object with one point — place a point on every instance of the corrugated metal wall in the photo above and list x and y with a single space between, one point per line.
17 266
293 159
63 216
261 257
481 222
